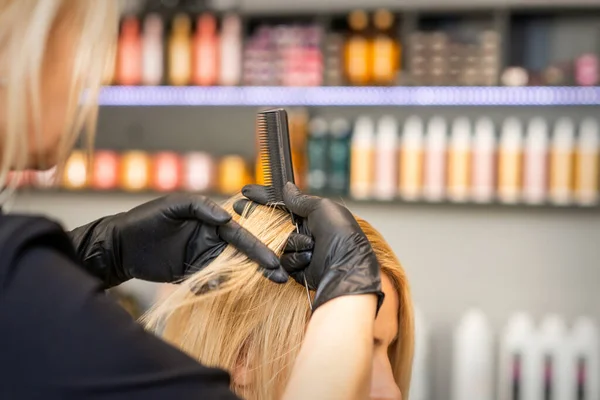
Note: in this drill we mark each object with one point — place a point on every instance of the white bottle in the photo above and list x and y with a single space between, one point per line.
554 358
386 154
152 50
361 158
435 159
473 358
509 161
230 49
586 161
561 162
585 339
420 381
459 160
517 350
483 165
536 157
411 159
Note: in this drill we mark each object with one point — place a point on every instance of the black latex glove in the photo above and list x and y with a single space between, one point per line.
343 261
166 239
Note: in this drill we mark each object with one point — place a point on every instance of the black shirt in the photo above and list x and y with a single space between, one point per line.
61 337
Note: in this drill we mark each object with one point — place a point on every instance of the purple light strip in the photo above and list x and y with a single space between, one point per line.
348 96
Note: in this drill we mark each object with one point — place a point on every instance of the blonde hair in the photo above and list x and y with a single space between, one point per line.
25 33
229 316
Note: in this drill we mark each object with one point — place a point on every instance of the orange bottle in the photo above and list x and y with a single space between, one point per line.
129 53
179 57
385 51
205 69
358 63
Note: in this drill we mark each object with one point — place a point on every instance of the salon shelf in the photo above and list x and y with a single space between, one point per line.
348 96
146 195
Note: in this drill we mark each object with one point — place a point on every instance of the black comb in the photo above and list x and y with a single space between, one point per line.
274 152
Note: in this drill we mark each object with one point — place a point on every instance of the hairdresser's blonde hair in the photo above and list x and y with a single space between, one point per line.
25 28
248 321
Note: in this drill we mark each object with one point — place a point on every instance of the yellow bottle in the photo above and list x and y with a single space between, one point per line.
586 163
180 51
362 159
561 162
135 171
233 174
385 51
459 160
357 50
510 162
411 159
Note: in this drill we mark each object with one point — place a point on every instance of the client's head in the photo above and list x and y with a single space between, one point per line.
228 315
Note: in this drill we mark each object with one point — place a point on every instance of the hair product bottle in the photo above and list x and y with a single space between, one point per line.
105 170
554 357
75 175
473 358
536 162
205 51
338 172
586 163
517 360
358 50
411 159
135 171
585 359
459 160
386 51
45 179
230 65
510 161
198 172
386 154
362 162
129 54
233 174
166 171
298 125
561 162
587 70
435 159
317 155
152 51
420 382
180 47
483 161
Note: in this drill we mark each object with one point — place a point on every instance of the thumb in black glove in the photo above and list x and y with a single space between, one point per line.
343 261
166 239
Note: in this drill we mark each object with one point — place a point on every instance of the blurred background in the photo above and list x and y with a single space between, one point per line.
466 131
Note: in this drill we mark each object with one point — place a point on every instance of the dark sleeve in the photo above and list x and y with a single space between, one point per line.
62 337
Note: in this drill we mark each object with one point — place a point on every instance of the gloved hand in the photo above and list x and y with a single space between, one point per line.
166 239
343 261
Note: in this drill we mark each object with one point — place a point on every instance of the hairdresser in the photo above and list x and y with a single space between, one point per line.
60 335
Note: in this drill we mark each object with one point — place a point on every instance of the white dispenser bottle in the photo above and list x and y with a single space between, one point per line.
435 159
536 156
483 161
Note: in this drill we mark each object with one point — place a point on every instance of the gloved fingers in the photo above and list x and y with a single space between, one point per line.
240 206
296 262
298 242
257 193
297 202
190 206
256 250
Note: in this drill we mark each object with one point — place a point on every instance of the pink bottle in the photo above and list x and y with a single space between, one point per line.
105 170
166 174
587 70
205 51
129 53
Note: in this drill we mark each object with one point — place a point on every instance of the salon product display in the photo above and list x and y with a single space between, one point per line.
515 160
361 48
134 171
526 359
